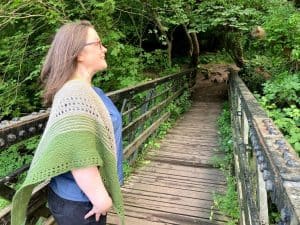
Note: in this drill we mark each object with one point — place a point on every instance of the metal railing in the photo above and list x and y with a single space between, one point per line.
143 108
267 167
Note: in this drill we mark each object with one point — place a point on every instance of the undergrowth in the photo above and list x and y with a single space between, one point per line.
226 203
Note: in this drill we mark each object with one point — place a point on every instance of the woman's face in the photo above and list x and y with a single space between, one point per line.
92 55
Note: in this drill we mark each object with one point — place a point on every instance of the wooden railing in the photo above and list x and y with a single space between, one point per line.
143 107
267 167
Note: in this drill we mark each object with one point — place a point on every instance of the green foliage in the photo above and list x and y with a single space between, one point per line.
225 140
219 57
123 26
170 70
163 129
281 20
15 157
156 21
252 78
274 214
227 21
226 202
28 27
269 63
26 30
171 13
179 105
127 170
13 101
223 16
277 58
282 27
283 90
281 100
125 68
154 58
295 54
3 203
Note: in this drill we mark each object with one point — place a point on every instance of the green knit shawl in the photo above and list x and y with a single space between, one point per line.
79 133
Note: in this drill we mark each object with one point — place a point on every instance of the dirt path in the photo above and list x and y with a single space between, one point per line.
211 83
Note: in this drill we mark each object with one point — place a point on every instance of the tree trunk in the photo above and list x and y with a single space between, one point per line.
169 37
189 40
170 46
169 52
196 50
194 46
137 30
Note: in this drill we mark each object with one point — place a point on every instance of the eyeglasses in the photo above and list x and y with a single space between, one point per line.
97 43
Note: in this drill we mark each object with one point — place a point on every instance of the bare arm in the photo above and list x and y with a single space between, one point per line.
90 182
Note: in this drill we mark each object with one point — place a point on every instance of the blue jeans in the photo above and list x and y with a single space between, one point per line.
67 212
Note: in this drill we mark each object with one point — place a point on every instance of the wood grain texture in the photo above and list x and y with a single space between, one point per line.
177 184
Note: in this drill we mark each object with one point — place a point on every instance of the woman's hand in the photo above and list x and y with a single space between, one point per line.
100 208
90 182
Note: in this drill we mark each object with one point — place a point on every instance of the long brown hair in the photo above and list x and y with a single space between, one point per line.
61 59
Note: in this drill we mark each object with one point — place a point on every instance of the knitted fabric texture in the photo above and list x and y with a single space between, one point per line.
79 133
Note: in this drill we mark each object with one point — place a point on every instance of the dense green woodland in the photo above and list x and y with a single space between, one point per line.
151 38
147 39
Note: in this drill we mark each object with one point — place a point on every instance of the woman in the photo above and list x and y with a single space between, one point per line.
81 144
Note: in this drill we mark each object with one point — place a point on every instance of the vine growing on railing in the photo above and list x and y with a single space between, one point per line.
179 106
226 202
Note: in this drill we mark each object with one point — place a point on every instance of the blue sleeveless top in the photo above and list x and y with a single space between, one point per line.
64 185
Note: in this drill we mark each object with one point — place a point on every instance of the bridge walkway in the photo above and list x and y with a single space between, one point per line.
177 182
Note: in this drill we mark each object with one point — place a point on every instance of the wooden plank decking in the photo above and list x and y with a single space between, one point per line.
177 185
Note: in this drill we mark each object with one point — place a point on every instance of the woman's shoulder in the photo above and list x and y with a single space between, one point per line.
77 97
74 97
74 85
73 90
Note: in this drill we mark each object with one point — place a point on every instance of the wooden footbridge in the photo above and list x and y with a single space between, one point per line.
177 183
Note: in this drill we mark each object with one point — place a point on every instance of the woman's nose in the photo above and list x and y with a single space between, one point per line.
104 49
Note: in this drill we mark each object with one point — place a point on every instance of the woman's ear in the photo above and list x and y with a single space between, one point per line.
80 57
